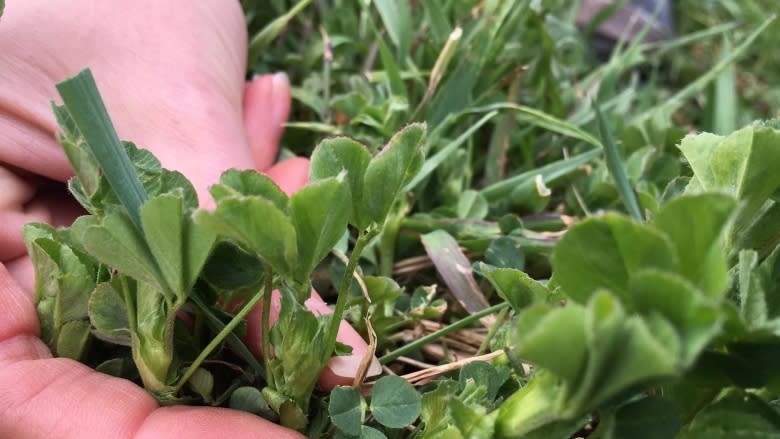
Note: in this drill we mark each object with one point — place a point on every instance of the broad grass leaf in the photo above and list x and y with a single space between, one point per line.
605 252
251 183
394 402
108 314
738 415
259 225
346 409
390 170
319 212
514 286
695 225
331 157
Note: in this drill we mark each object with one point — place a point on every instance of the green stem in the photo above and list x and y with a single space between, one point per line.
217 340
441 333
266 322
341 302
492 332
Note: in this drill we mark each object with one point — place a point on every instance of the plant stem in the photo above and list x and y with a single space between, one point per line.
341 302
217 340
266 323
441 333
492 332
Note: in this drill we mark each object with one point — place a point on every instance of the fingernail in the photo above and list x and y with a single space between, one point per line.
280 91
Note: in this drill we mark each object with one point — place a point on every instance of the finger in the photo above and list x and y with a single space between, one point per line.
291 174
266 109
17 311
340 370
11 223
209 423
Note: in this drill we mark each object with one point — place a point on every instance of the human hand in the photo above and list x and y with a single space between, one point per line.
177 90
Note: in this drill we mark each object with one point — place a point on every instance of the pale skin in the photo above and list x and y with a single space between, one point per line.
172 75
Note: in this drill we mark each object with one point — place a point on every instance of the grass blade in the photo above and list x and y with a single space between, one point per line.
676 101
435 160
397 18
615 166
455 269
262 39
551 171
82 99
433 336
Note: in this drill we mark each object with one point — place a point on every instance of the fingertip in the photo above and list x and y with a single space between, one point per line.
267 102
291 174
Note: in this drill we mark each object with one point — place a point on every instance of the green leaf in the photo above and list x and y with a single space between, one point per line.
259 225
696 319
162 221
390 170
202 382
482 374
152 343
532 409
73 339
472 204
540 332
648 418
319 213
179 246
248 182
605 252
737 415
472 419
231 268
367 432
78 152
394 402
117 243
695 225
109 315
346 409
514 286
331 157
505 252
249 399
739 164
87 110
